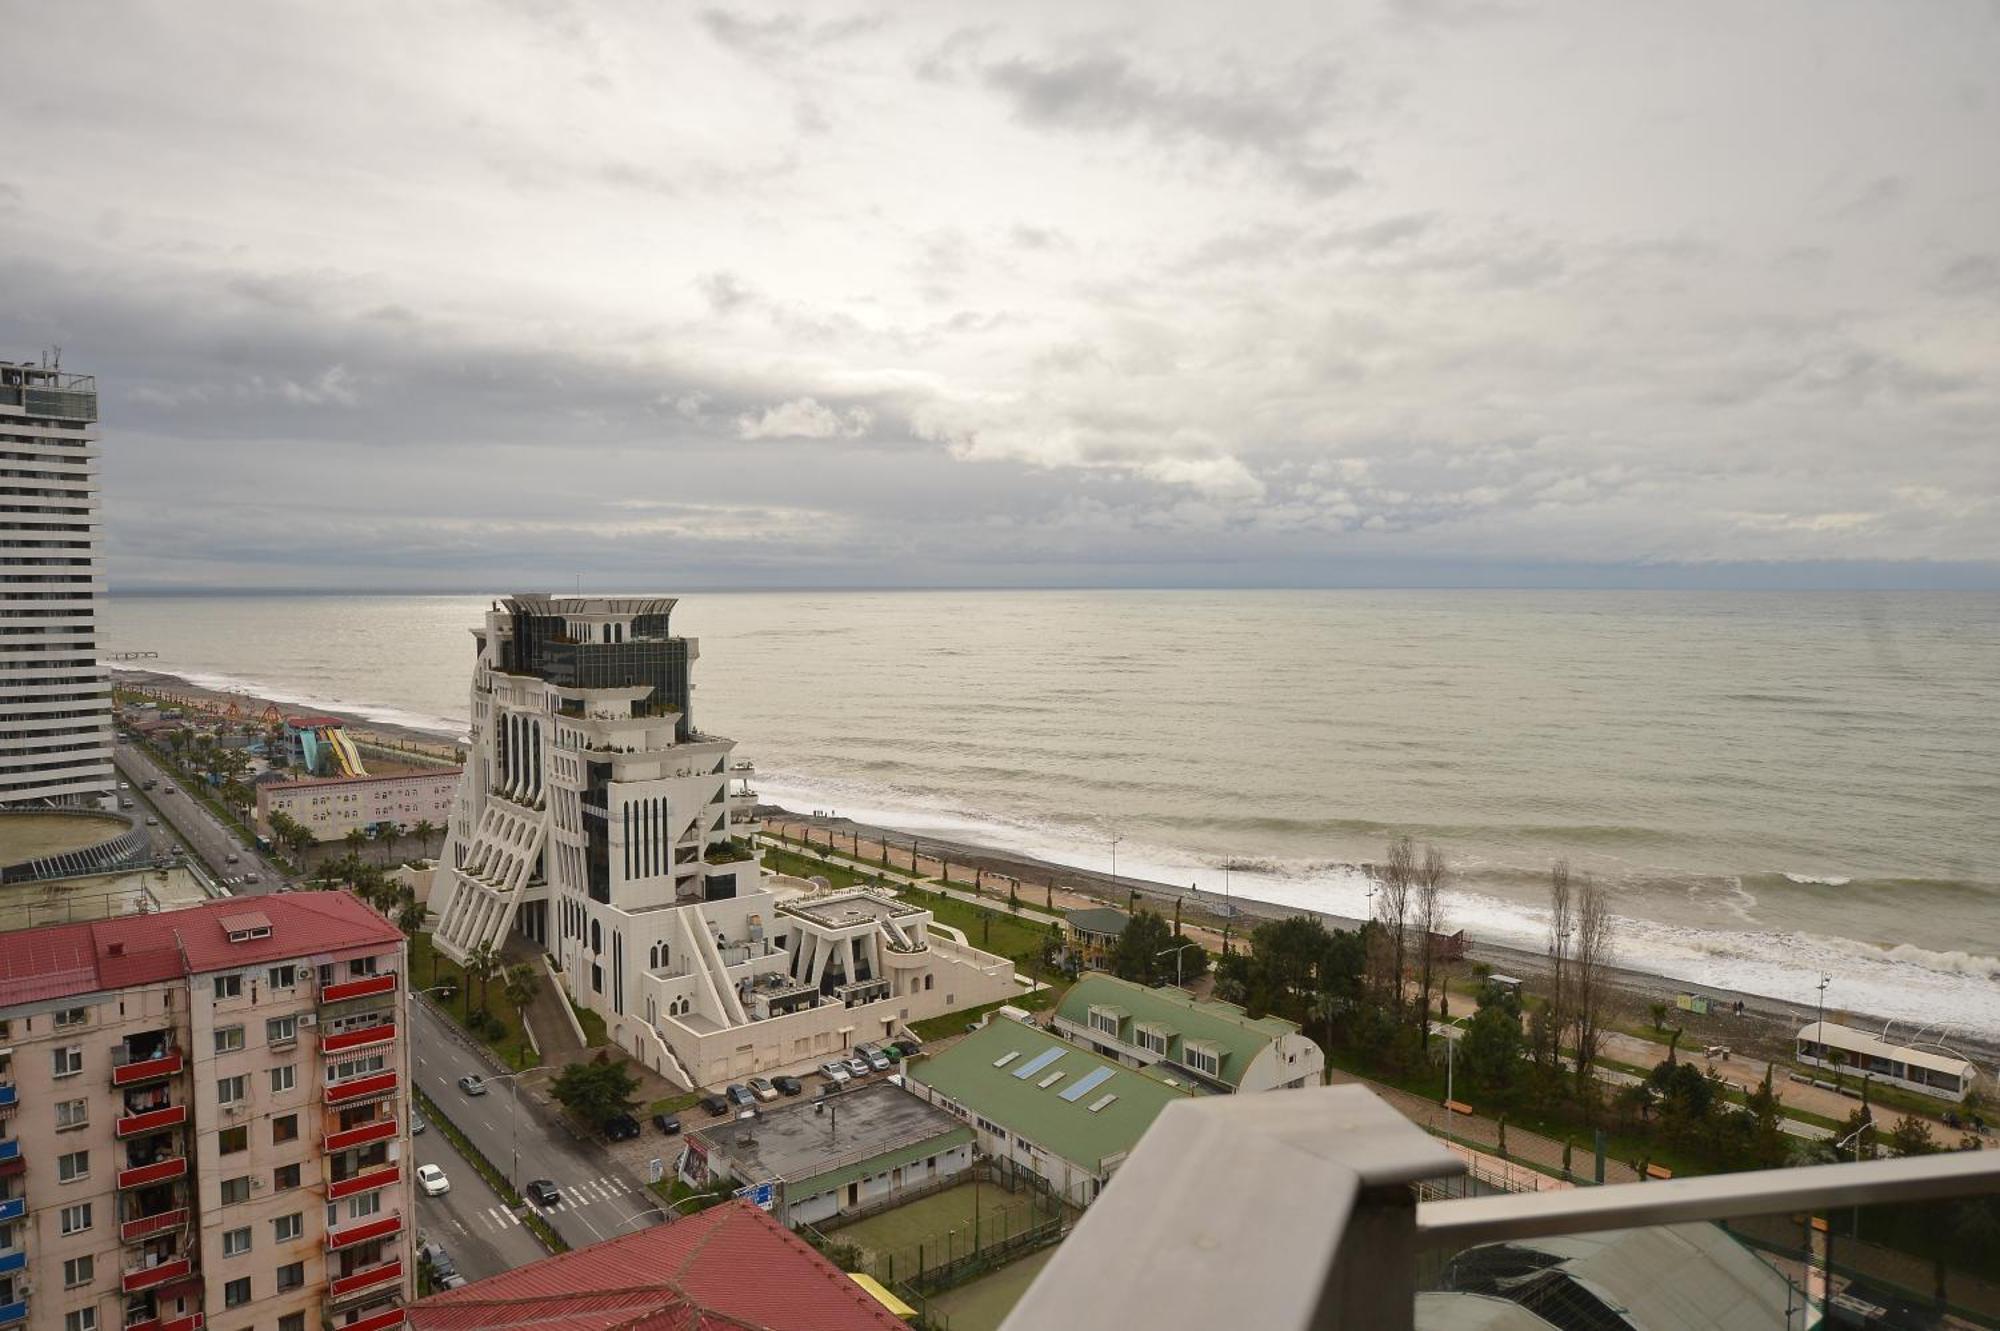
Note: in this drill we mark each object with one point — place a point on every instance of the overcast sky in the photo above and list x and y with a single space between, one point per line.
488 295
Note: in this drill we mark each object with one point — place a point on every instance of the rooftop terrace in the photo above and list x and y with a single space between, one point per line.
805 1139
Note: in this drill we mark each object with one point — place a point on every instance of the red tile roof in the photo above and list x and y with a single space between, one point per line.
729 1266
60 960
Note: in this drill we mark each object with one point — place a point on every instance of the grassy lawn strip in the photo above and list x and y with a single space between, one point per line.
674 1104
431 970
1736 1096
954 1023
800 866
594 1034
538 1226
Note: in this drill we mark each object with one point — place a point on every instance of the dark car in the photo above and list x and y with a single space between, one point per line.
788 1085
741 1095
667 1123
543 1192
714 1104
621 1127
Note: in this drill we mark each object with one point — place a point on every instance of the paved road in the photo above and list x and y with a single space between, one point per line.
204 833
471 1221
600 1199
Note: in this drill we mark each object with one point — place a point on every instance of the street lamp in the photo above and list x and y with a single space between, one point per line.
513 1122
1115 839
1177 949
1450 1051
667 1210
1819 1022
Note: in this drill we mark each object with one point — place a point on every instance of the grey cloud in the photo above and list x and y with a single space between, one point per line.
784 36
1971 275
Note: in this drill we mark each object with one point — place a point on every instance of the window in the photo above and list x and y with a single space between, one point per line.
236 1190
76 1219
72 1016
282 977
281 1030
68 1060
292 1322
284 1078
72 1114
285 1128
79 1271
236 1242
285 1176
228 1039
83 1319
230 1090
228 986
291 1276
288 1227
1201 1058
236 1293
1105 1020
71 1167
231 1140
367 1204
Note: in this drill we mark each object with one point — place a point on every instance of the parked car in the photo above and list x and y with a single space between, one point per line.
472 1084
762 1088
444 1271
543 1192
877 1060
668 1124
739 1095
910 1045
714 1104
126 804
152 822
432 1180
857 1066
417 1123
835 1072
788 1085
621 1127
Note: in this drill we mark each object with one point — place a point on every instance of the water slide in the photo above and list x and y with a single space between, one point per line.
345 755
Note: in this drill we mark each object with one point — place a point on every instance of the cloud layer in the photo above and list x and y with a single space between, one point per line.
486 294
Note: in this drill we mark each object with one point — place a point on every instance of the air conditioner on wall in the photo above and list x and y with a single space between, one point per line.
309 1019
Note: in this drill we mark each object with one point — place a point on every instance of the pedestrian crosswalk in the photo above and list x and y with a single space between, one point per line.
575 1197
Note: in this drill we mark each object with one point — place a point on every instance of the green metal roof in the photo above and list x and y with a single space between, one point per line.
1204 1021
1099 920
839 1178
966 1073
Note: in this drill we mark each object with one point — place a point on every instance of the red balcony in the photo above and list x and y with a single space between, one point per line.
192 1322
151 1277
381 1321
158 1172
361 1088
148 1225
336 1239
366 1181
150 1069
363 1038
365 987
380 1130
374 1277
151 1120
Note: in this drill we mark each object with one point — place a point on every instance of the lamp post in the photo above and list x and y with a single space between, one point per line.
1819 1022
513 1122
667 1210
1115 839
1177 950
1450 1059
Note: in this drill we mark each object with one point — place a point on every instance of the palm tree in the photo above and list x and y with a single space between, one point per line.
482 964
410 919
355 840
517 985
386 833
423 832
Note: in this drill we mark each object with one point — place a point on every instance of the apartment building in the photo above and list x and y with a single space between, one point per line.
55 696
331 807
598 822
200 1120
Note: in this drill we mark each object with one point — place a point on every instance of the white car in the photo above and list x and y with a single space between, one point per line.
836 1073
432 1180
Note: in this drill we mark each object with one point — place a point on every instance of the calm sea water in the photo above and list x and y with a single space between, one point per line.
1774 784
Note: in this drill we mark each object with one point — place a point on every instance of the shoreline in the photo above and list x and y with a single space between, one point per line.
1773 1022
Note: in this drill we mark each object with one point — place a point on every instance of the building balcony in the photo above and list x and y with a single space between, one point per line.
13 1208
10 1313
365 1281
158 1273
380 1130
146 1226
1168 1248
361 1038
8 1095
364 987
381 1227
152 1322
12 1259
10 1149
140 1071
150 1120
160 1171
368 1180
382 1321
356 1089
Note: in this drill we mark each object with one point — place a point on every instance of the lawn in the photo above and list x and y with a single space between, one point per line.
799 866
982 1304
986 929
954 1023
430 970
943 1224
674 1104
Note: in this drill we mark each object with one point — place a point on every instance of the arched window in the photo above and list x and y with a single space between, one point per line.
596 936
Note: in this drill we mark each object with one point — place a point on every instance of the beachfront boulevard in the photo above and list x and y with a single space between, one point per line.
210 840
599 1199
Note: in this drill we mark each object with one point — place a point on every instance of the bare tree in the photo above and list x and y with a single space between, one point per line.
1562 927
1596 936
1430 923
1399 875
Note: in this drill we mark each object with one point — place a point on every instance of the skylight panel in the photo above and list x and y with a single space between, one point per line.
1085 1085
1038 1062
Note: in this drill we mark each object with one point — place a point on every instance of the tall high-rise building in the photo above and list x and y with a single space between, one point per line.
596 822
55 695
202 1120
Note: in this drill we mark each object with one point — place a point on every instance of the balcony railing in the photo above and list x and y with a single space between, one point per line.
1310 1218
147 1069
360 1088
381 1176
369 1278
159 1273
382 1321
10 1313
347 1138
12 1259
360 1038
380 1228
191 1322
364 987
10 1149
150 1120
130 1231
160 1171
8 1095
13 1208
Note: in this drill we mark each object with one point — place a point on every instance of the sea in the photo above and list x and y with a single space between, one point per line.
1776 787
